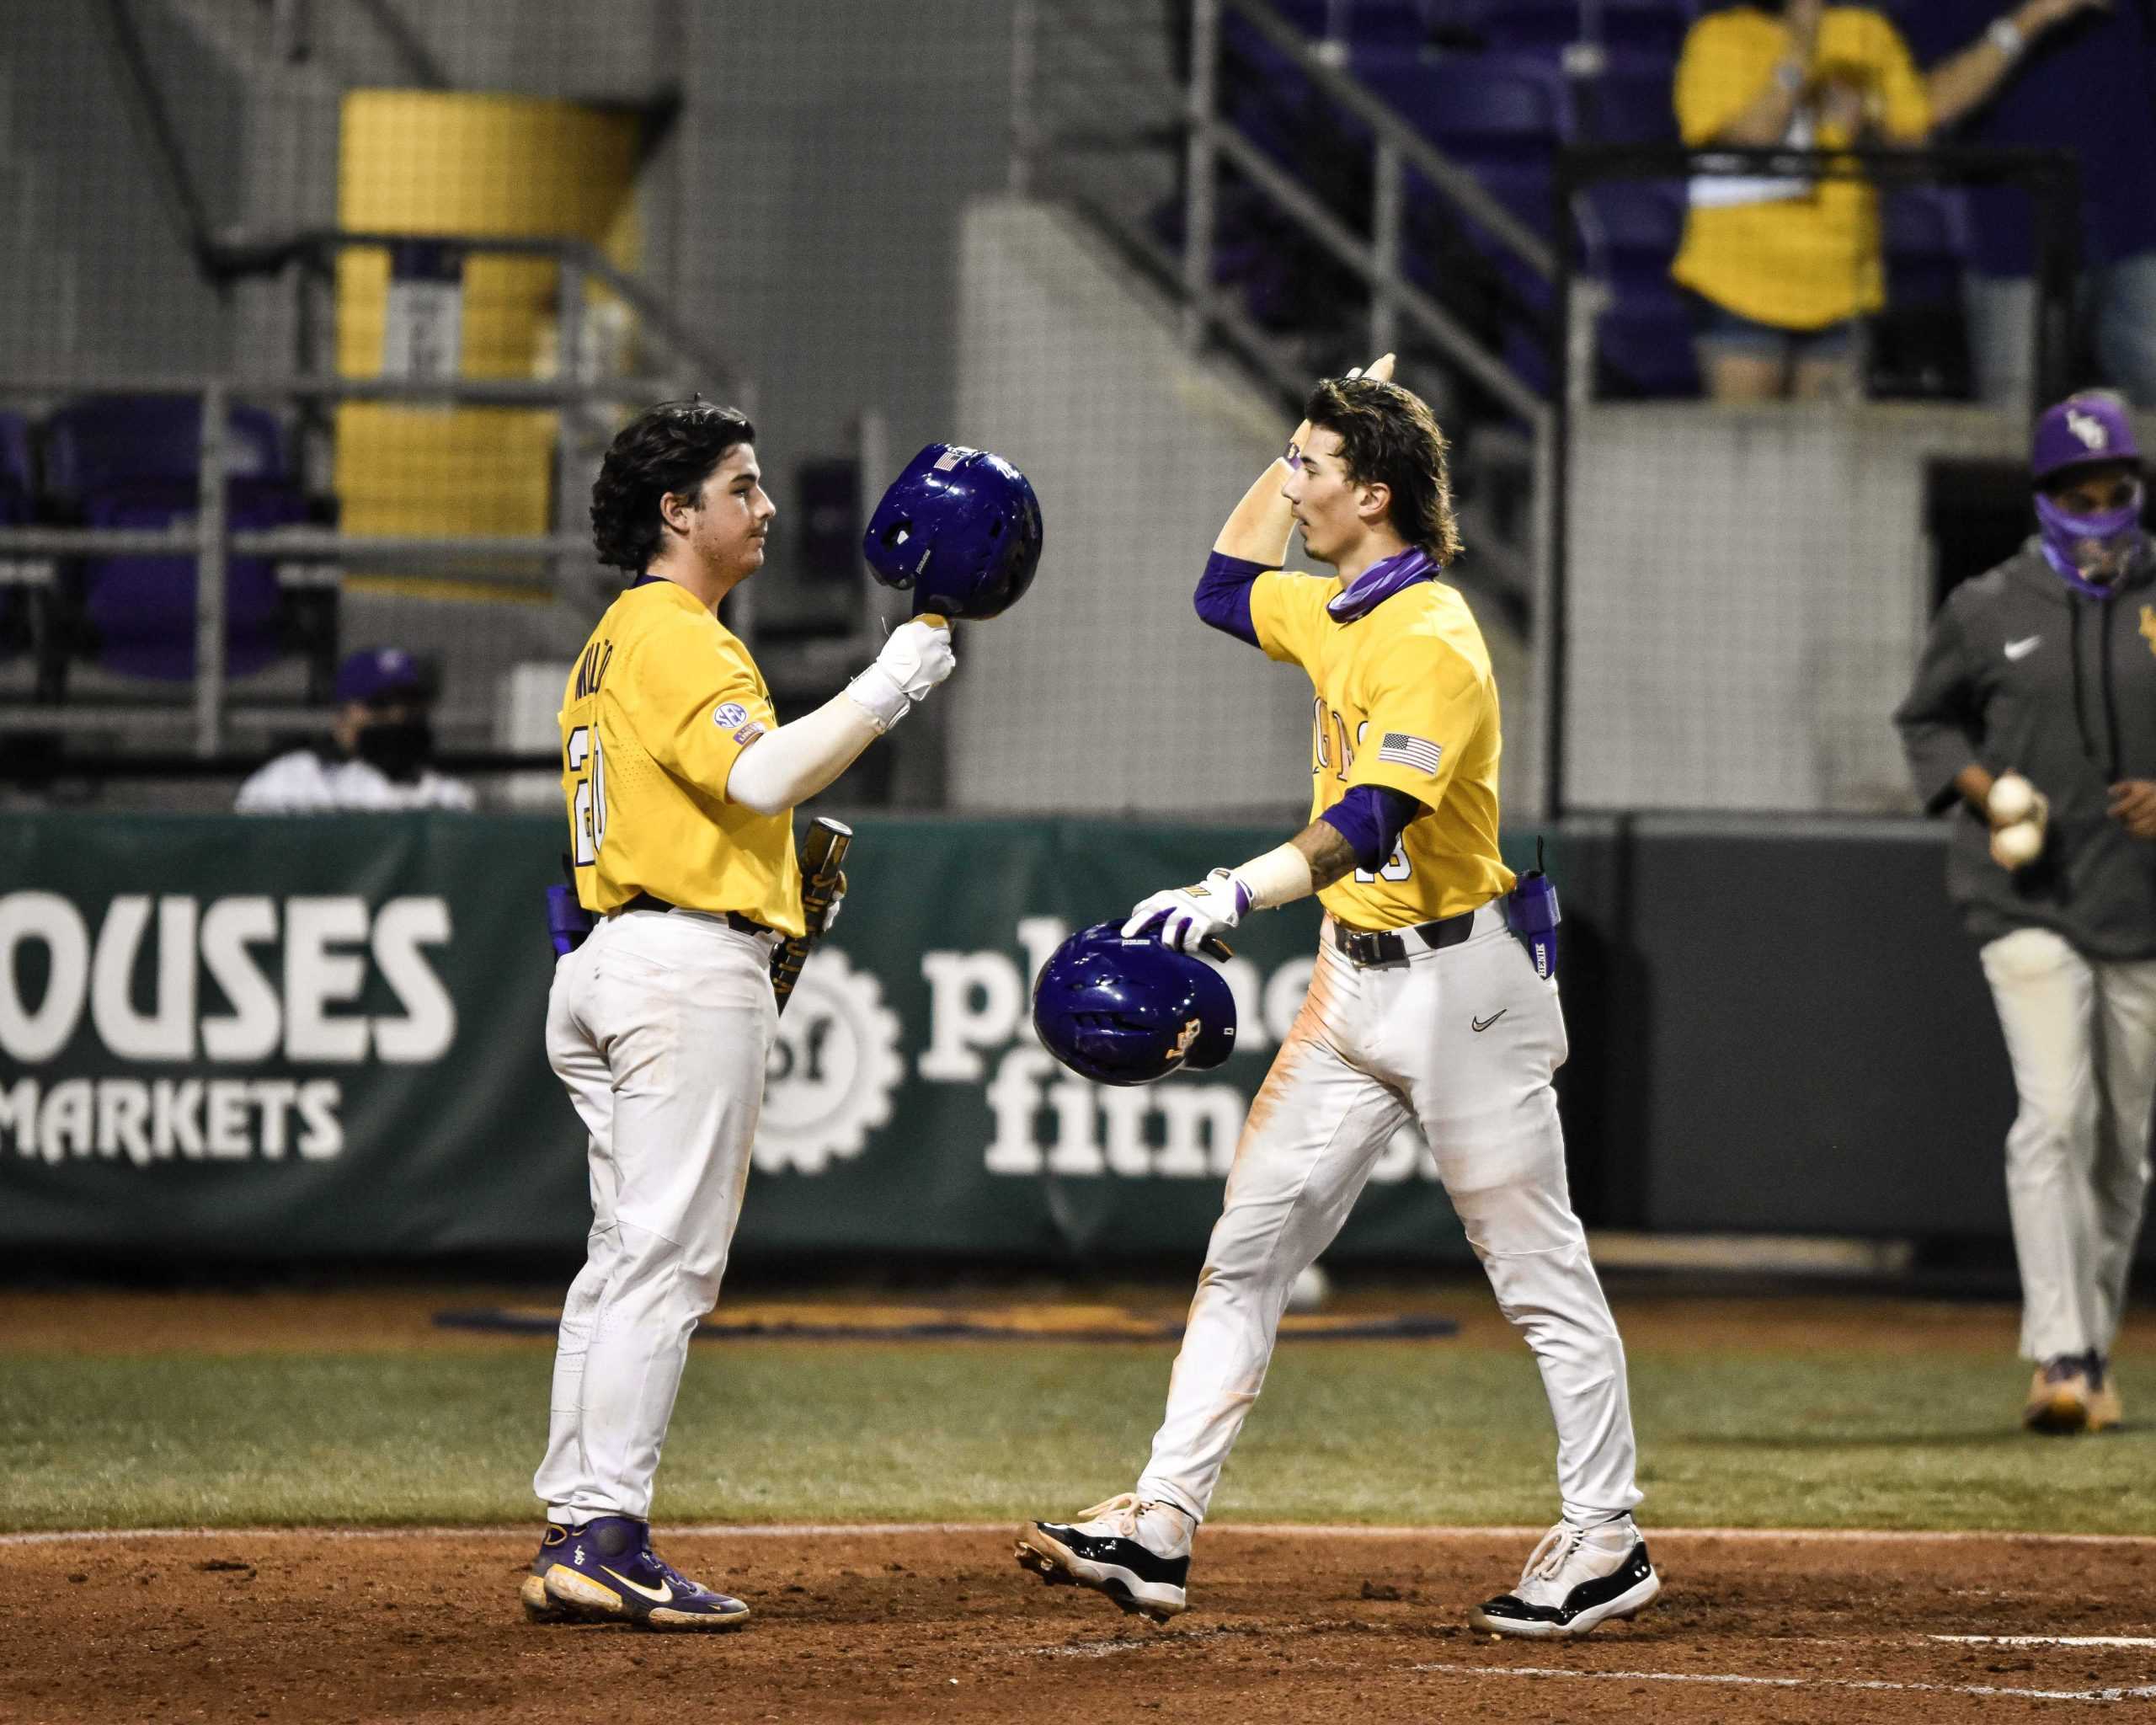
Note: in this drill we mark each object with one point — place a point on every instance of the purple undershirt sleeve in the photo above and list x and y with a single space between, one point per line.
1371 818
1222 595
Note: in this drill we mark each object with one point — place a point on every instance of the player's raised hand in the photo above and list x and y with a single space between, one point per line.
1380 368
1186 917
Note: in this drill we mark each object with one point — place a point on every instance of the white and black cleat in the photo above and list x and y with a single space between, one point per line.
1101 1551
1574 1582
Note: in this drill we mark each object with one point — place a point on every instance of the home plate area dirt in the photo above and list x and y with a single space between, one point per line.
932 1624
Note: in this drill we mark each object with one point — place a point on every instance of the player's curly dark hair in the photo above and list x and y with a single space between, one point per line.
665 450
1388 437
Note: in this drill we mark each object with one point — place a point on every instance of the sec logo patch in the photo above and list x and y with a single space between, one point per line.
730 717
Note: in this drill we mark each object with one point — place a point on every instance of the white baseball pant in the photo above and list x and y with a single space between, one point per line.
1370 1047
2077 1154
660 1025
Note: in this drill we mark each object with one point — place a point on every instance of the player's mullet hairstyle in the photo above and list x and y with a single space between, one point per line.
1388 437
666 450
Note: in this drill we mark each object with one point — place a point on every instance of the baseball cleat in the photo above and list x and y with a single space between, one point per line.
536 1605
2059 1396
606 1571
2104 1409
1105 1550
1577 1580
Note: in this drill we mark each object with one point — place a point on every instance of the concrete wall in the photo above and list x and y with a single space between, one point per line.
1748 589
1103 692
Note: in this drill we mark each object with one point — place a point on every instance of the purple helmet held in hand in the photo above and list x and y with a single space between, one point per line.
961 529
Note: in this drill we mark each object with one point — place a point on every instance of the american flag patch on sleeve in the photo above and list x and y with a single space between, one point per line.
1404 750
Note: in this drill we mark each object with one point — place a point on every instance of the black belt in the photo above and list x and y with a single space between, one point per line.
734 919
1389 946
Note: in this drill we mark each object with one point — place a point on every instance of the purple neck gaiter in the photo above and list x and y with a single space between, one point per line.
1378 583
2089 553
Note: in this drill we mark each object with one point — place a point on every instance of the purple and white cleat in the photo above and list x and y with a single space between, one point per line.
606 1571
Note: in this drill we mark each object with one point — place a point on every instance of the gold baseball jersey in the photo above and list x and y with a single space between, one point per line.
1404 699
663 700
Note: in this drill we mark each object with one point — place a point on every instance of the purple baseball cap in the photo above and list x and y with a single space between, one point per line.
382 674
2092 426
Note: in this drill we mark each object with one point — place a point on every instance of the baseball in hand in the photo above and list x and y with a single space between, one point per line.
2018 845
2013 799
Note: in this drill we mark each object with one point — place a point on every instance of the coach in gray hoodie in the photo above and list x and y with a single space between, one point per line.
2046 667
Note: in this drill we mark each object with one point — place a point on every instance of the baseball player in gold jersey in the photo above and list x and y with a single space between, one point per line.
680 784
1423 1005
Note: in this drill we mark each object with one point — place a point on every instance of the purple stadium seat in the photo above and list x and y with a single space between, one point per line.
1632 102
18 475
1631 228
106 441
1645 342
136 461
1547 27
1393 26
143 608
1486 111
1926 244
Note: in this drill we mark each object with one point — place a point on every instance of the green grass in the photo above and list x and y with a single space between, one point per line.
1371 1433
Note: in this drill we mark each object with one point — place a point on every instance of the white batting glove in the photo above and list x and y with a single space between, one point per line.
916 658
1190 915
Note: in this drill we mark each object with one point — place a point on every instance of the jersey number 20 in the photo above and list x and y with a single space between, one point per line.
589 820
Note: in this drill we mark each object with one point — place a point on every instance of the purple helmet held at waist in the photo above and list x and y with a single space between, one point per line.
961 529
1128 1010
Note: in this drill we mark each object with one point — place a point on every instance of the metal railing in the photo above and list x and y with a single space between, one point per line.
1117 104
314 554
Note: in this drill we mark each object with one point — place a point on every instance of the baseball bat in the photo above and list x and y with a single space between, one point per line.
823 853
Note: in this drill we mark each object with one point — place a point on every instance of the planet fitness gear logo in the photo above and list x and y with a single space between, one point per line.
834 1067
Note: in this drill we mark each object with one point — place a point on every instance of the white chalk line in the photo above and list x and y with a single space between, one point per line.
2051 1640
1253 1530
2141 1692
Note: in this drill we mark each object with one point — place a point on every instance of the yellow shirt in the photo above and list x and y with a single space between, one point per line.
663 699
1405 699
1802 254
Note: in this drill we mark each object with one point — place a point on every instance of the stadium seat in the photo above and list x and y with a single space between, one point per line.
1926 243
1632 101
1548 27
1919 343
142 609
106 441
136 461
1644 342
1630 229
1396 26
1485 110
18 475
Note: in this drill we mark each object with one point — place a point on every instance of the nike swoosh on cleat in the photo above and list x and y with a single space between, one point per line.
1482 1024
2023 649
663 1594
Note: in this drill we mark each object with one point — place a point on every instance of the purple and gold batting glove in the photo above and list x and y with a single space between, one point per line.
1187 917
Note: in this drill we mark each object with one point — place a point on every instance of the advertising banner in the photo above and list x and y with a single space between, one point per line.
322 1038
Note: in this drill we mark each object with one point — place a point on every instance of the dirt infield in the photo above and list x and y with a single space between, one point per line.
939 1623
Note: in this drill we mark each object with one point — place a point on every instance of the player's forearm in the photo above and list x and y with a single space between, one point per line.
1259 527
790 765
1307 863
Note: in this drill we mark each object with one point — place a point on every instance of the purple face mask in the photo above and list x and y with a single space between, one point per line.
2090 552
